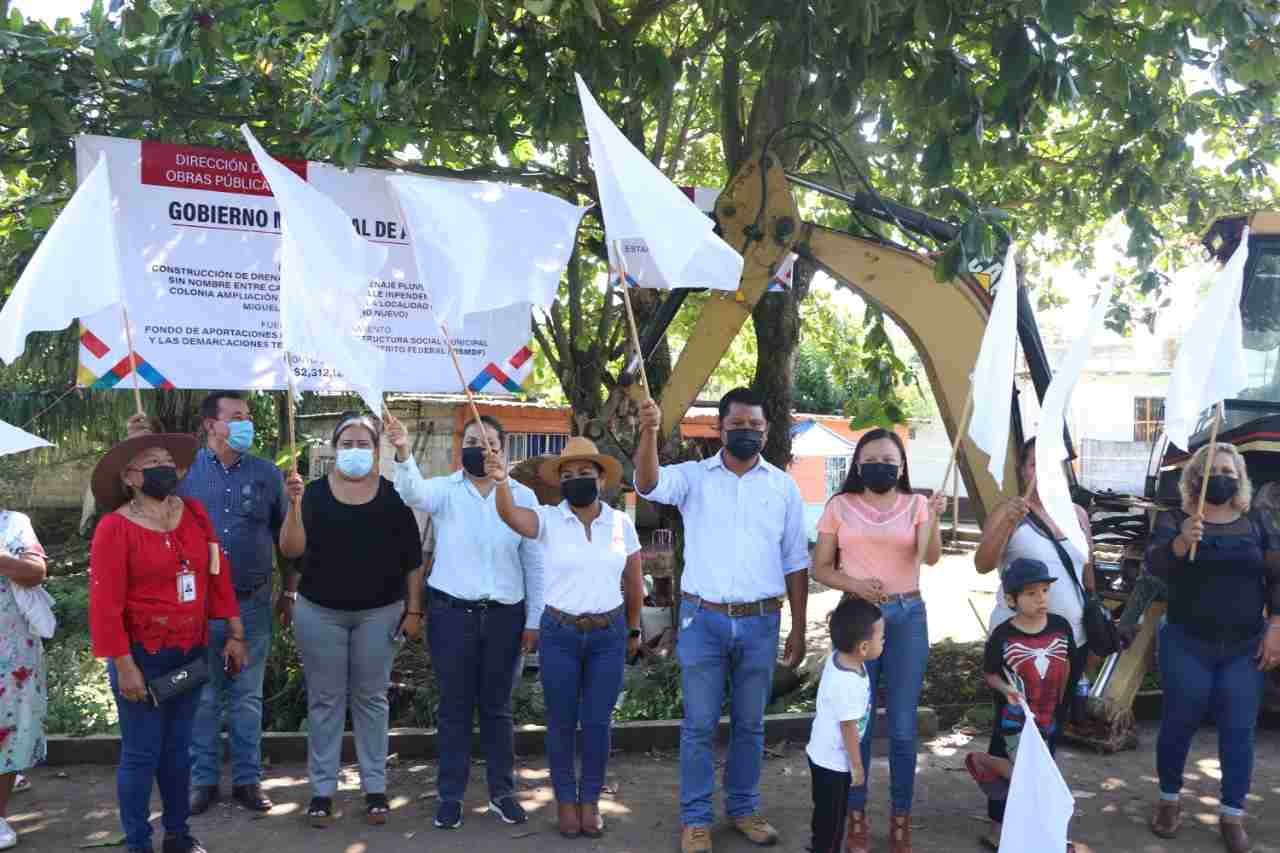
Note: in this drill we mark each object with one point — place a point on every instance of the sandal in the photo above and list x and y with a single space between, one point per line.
376 809
320 812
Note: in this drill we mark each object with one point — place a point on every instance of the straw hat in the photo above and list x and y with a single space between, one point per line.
108 488
578 449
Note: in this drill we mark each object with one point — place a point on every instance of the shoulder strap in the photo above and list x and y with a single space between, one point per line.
1067 562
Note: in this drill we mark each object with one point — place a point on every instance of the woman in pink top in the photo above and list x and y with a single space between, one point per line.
880 532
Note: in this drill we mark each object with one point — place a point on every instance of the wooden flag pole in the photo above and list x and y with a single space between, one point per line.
922 542
955 509
466 389
979 616
293 417
1208 465
631 318
133 358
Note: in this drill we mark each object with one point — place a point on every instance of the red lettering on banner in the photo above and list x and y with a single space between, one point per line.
212 169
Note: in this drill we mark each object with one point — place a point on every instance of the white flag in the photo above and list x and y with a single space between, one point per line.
1210 366
666 241
1051 448
480 246
993 372
74 272
1040 804
325 270
14 440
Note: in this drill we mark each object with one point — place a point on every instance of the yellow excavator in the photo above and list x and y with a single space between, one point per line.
757 213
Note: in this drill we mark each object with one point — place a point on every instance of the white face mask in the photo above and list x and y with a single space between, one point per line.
355 462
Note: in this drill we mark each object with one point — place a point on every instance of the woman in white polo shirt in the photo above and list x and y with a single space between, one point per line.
584 638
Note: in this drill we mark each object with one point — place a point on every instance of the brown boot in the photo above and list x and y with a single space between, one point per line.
569 820
900 833
856 836
695 839
1233 834
1166 820
756 829
592 822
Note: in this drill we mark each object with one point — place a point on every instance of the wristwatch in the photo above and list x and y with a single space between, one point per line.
291 594
634 633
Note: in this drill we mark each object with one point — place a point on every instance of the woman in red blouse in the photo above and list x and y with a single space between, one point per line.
156 579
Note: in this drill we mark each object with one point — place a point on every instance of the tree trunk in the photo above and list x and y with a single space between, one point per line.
777 323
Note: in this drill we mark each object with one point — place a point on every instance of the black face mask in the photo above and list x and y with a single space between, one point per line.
580 491
473 461
159 482
744 444
879 477
1221 489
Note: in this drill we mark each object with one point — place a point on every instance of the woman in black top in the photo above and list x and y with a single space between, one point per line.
1221 632
361 554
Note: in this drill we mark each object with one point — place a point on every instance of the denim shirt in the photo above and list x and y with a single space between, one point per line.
246 504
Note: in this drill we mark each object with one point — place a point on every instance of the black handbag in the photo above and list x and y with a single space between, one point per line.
178 681
1100 632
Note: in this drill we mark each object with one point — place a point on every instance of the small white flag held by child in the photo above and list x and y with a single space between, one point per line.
1040 804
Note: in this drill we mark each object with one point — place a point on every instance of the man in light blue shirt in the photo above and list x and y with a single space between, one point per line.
484 605
745 548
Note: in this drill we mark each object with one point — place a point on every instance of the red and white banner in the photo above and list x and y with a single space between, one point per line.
200 240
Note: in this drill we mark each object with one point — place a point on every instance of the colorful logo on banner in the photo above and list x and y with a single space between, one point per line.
511 375
94 354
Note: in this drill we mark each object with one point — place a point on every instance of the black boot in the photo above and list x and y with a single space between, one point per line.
251 797
203 796
187 844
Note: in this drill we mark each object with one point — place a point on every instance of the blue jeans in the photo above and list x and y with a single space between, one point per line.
476 657
1195 677
906 654
155 748
239 698
714 648
581 677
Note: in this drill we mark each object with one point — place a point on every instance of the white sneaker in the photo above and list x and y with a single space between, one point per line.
21 783
8 838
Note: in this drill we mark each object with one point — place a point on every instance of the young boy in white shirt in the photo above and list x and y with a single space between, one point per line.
844 701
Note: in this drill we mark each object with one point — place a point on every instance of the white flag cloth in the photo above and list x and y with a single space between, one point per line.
993 372
667 241
74 272
325 270
480 246
1210 366
14 440
1040 804
1051 448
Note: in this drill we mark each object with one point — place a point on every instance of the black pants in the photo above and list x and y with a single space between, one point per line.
830 805
476 657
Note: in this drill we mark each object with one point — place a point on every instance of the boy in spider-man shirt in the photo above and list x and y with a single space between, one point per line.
1027 656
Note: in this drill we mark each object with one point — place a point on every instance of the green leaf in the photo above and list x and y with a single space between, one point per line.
1060 15
406 5
291 11
116 839
539 7
936 161
40 218
590 7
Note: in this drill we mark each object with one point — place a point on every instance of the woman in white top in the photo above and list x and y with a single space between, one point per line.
588 548
1021 528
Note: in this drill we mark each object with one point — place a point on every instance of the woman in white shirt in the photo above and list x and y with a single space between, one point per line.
587 630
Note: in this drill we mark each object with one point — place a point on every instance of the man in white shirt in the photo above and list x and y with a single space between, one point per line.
484 595
745 547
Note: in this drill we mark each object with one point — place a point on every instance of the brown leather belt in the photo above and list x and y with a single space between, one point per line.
899 597
737 609
584 622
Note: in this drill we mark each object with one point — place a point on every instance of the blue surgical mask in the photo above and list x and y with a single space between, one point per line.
240 435
355 462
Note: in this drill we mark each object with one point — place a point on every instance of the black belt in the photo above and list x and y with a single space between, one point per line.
246 594
464 604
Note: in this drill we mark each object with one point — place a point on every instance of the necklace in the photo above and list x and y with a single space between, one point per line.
161 522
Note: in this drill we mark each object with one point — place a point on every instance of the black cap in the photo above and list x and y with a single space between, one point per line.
1024 572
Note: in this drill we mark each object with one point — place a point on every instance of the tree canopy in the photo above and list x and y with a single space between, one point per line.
1043 117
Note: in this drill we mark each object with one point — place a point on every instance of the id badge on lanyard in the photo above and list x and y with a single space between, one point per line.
186 584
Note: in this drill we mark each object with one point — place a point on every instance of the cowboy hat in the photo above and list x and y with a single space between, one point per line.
579 449
108 487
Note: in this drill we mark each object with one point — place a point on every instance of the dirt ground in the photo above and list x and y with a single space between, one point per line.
71 807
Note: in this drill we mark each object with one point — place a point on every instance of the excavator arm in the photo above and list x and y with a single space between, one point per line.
759 217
